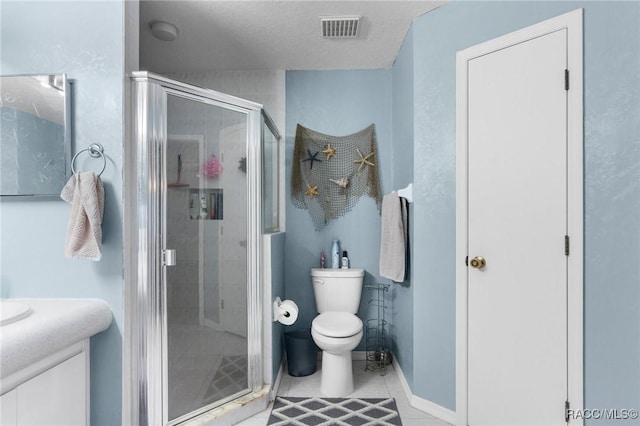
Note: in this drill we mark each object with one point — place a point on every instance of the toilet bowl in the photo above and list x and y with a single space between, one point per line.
337 330
336 334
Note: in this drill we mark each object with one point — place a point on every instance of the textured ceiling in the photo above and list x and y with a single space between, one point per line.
285 35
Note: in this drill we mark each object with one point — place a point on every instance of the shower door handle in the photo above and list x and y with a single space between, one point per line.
169 257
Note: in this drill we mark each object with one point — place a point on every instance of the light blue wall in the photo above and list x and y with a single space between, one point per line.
84 40
612 189
401 325
335 103
277 290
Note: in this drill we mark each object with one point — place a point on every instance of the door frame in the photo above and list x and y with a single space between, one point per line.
571 21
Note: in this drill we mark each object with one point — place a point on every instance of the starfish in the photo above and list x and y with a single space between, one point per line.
364 159
312 158
311 190
342 182
330 151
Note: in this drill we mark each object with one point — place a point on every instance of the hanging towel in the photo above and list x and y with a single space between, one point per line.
393 238
85 193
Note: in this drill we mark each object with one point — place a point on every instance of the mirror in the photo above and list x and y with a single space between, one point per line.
35 142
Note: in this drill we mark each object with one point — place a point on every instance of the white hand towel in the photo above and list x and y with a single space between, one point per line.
393 238
85 193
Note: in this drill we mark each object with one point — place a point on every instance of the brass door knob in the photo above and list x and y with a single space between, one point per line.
478 262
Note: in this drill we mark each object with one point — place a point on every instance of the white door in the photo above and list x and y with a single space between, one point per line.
233 238
517 222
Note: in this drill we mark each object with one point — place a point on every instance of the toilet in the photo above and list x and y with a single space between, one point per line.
337 330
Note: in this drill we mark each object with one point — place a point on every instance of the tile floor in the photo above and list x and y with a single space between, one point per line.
367 384
205 365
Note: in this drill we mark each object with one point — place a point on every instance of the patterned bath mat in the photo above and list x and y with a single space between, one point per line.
231 377
295 411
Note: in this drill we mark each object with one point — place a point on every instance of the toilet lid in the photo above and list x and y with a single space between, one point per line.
337 324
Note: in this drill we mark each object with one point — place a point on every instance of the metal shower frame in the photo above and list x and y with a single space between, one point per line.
145 379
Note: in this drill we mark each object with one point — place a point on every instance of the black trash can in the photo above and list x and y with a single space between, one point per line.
302 352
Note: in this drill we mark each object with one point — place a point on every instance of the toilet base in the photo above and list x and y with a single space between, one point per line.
337 374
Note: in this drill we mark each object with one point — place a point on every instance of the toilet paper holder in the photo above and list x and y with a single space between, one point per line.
280 311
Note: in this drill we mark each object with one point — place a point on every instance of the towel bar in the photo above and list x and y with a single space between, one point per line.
407 193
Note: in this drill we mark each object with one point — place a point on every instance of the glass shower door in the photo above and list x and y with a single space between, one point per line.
206 356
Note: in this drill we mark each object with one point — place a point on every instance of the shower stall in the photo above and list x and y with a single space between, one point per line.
204 177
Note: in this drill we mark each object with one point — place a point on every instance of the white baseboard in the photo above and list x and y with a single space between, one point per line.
422 404
211 324
434 409
276 384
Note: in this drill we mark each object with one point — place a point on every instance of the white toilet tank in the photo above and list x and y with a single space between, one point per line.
337 290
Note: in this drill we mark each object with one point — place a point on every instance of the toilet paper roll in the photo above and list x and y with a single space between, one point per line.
287 312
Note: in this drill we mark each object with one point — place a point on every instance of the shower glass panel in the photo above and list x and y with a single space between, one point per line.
206 225
271 176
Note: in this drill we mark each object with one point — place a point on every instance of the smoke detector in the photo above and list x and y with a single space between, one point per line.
340 26
164 31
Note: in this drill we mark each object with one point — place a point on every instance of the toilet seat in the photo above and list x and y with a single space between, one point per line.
337 324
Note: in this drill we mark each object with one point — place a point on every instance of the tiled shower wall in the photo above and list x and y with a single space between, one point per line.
209 277
266 87
184 235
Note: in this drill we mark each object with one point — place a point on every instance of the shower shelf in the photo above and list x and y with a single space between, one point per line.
213 199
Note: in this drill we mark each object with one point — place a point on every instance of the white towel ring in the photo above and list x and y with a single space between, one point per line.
96 151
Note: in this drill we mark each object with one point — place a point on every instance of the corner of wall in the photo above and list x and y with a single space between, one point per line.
402 174
277 290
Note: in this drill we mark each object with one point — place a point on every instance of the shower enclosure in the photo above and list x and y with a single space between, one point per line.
196 313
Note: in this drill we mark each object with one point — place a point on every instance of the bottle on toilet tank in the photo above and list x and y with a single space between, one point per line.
345 260
335 254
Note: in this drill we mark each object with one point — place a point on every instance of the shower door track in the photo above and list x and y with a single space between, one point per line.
195 414
145 376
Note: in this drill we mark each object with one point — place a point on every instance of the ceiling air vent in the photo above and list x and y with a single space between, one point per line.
340 26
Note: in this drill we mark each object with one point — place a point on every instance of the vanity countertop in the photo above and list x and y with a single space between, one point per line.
52 325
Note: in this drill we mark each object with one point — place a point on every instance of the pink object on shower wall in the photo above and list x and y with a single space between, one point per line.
212 167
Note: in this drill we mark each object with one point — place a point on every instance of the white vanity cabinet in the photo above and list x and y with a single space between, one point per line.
57 396
44 367
8 412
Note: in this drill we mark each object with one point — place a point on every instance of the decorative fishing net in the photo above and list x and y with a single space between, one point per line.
330 173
